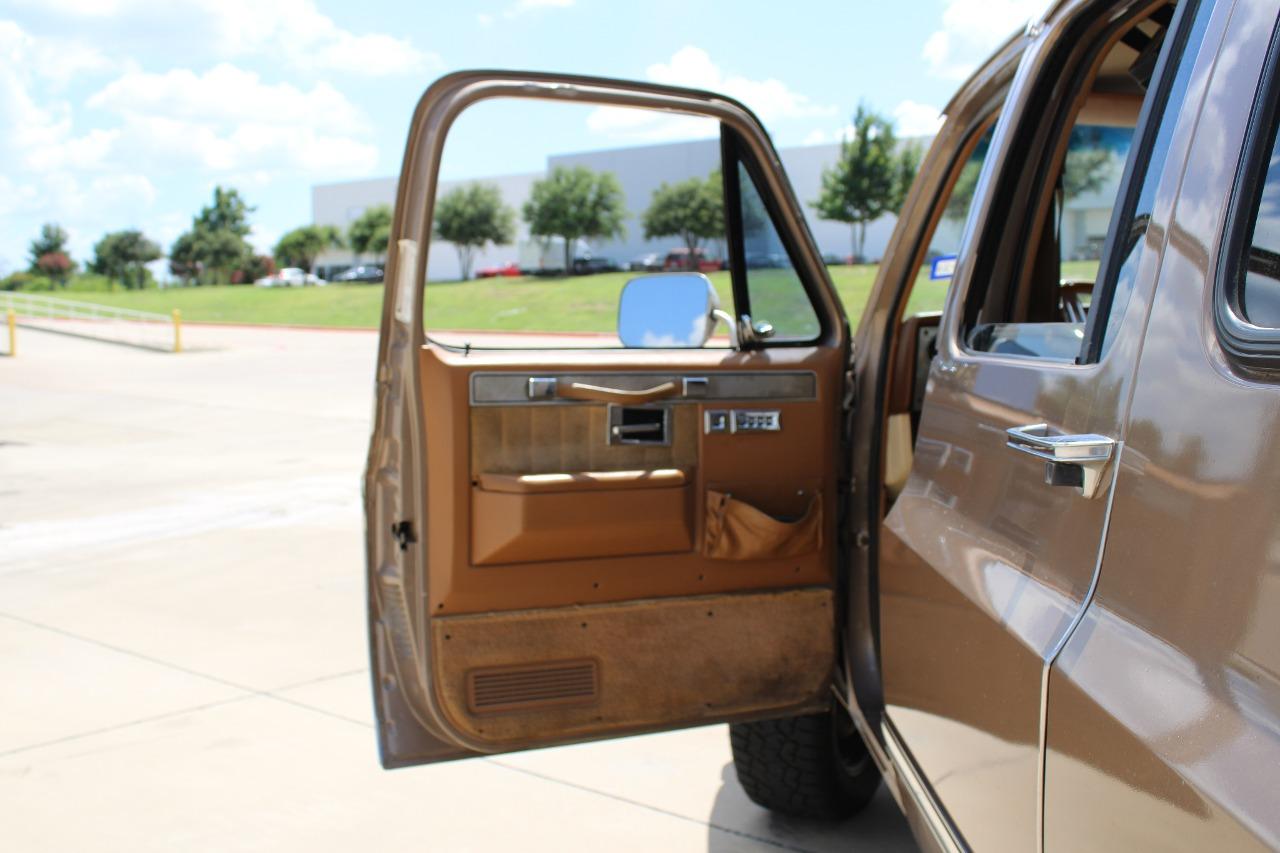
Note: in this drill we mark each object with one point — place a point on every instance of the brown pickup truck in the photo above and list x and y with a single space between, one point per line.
1013 561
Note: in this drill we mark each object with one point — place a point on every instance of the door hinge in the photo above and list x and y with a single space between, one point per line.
850 391
403 532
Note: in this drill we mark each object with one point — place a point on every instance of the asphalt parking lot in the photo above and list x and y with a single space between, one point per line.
182 644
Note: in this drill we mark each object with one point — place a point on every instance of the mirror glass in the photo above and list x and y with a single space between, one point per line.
671 310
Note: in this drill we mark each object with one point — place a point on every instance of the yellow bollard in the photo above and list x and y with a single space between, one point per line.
177 330
13 333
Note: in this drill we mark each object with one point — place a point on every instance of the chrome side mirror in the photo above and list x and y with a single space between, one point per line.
670 310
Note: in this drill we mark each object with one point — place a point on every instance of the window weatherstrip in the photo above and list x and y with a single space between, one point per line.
1255 346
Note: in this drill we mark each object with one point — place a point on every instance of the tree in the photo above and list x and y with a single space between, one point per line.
221 252
183 259
229 212
1086 170
215 246
1087 166
52 241
908 164
122 256
371 232
871 177
962 193
253 268
55 265
692 210
575 203
471 217
301 246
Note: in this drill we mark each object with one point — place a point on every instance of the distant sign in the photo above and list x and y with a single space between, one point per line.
944 266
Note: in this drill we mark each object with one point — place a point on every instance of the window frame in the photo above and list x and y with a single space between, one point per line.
1037 145
732 154
1172 54
1251 345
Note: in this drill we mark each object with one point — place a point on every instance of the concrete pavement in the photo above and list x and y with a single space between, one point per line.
182 647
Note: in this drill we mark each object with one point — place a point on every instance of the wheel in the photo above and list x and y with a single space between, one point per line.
811 766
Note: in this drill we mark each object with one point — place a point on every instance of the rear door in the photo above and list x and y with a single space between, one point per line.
1164 706
572 539
990 553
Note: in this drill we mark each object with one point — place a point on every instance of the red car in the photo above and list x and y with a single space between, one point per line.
678 259
511 270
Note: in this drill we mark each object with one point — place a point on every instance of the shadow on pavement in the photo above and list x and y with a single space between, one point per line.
737 824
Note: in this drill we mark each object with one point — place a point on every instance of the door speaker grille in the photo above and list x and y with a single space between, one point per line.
532 686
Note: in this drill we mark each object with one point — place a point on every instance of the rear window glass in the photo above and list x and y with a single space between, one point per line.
1259 294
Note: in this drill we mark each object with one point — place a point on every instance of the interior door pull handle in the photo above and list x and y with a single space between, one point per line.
602 394
637 429
1070 460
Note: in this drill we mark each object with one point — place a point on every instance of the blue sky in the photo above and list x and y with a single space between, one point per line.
125 113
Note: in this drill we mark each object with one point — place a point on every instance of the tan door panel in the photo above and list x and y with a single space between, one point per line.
491 550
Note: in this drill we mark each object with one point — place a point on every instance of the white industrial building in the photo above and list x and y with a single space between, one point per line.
641 170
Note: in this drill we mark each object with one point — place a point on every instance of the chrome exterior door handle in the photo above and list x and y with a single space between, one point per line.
1070 460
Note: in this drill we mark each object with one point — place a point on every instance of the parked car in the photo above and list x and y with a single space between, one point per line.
768 260
588 265
511 270
360 274
290 277
679 259
1016 562
648 262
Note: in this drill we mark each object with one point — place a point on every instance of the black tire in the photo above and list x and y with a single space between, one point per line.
814 766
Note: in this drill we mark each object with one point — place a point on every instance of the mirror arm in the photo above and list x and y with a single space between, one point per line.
725 317
753 333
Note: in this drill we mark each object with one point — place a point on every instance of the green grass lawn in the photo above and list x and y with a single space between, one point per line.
581 304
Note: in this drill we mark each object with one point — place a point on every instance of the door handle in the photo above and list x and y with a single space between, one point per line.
551 387
603 394
630 430
1069 460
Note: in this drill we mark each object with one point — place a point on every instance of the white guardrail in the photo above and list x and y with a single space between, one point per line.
88 319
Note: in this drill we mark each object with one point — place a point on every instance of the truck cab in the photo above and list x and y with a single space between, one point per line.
1014 560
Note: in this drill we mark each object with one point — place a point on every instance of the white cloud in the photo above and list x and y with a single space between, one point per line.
81 166
971 30
521 7
294 31
770 99
916 119
910 118
224 93
648 126
692 67
227 120
54 61
308 38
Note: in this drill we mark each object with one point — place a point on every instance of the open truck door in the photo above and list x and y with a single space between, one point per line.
582 542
